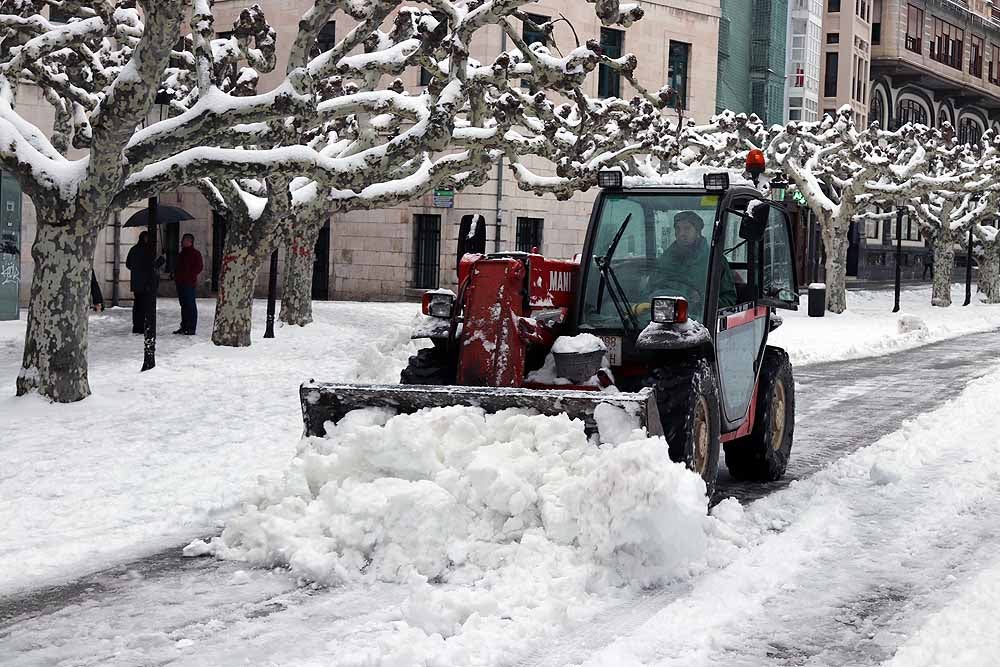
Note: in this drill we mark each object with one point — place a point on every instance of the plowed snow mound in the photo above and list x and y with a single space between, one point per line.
505 516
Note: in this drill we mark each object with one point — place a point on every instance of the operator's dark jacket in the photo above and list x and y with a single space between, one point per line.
680 264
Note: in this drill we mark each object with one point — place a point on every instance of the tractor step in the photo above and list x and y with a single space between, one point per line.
329 402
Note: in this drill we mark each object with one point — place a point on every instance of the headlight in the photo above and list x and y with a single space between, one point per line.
609 179
438 303
669 309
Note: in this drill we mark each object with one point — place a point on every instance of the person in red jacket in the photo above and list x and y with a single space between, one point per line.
189 265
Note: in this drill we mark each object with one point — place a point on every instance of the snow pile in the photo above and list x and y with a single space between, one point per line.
508 517
584 343
911 324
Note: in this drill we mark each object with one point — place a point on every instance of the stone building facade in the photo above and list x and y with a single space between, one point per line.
397 253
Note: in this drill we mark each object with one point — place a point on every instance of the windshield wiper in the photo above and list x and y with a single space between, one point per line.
610 280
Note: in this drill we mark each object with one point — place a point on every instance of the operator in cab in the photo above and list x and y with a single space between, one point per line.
684 263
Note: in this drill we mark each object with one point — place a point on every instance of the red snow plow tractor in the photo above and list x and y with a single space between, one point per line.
677 289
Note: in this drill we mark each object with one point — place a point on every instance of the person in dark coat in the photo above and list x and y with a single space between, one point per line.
189 265
144 279
96 298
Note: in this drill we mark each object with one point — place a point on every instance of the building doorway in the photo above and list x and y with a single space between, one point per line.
321 265
218 244
853 250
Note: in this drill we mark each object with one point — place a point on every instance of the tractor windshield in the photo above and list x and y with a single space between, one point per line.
664 251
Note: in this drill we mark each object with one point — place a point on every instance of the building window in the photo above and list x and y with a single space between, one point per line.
944 117
914 28
876 113
530 34
59 15
949 40
833 38
609 81
325 40
426 251
830 76
994 70
833 6
969 131
425 77
877 22
529 234
911 111
976 57
677 71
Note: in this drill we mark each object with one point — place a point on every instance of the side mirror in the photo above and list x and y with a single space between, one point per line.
471 236
753 226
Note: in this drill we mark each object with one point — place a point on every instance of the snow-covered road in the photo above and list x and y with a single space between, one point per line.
842 566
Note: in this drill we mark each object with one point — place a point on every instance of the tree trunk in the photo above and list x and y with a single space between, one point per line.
241 261
836 244
989 273
55 345
296 282
943 246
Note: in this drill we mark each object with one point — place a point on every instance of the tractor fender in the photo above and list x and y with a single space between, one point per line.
683 336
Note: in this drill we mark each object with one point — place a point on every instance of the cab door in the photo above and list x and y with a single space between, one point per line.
764 275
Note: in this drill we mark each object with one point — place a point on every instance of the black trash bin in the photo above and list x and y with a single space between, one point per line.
817 300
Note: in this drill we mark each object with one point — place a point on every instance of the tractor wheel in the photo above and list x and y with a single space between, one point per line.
687 398
763 455
430 365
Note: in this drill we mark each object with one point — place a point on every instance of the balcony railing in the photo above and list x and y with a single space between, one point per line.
913 43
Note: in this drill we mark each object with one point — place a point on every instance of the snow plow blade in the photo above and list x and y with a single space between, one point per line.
327 402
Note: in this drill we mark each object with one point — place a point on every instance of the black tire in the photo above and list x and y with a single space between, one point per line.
687 397
430 365
763 455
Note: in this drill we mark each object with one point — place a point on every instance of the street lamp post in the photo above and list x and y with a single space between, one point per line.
149 335
968 272
899 251
272 287
779 186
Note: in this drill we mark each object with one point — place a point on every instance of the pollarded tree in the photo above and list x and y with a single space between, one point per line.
987 251
833 166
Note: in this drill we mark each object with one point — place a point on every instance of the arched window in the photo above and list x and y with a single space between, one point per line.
911 111
969 131
876 114
944 117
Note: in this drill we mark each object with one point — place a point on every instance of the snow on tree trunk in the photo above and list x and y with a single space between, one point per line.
296 281
241 261
943 247
55 347
836 244
989 274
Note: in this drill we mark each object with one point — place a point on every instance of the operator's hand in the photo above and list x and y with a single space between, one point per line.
640 308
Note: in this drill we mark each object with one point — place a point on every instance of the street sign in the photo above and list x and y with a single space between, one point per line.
444 198
10 247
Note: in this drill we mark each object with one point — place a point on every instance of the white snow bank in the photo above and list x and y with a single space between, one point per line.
507 524
869 328
963 633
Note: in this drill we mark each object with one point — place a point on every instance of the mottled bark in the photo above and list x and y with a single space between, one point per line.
296 281
989 273
943 247
241 261
55 345
836 244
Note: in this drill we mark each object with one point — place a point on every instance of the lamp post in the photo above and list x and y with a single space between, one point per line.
779 186
900 208
272 287
159 111
968 272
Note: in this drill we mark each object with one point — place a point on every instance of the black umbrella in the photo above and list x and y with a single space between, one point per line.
164 215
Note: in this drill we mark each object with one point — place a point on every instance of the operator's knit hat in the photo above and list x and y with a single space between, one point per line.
691 218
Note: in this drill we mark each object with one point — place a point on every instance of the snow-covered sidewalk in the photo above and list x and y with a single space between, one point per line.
869 328
153 458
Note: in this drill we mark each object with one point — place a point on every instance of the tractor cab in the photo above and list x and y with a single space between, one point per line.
682 271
